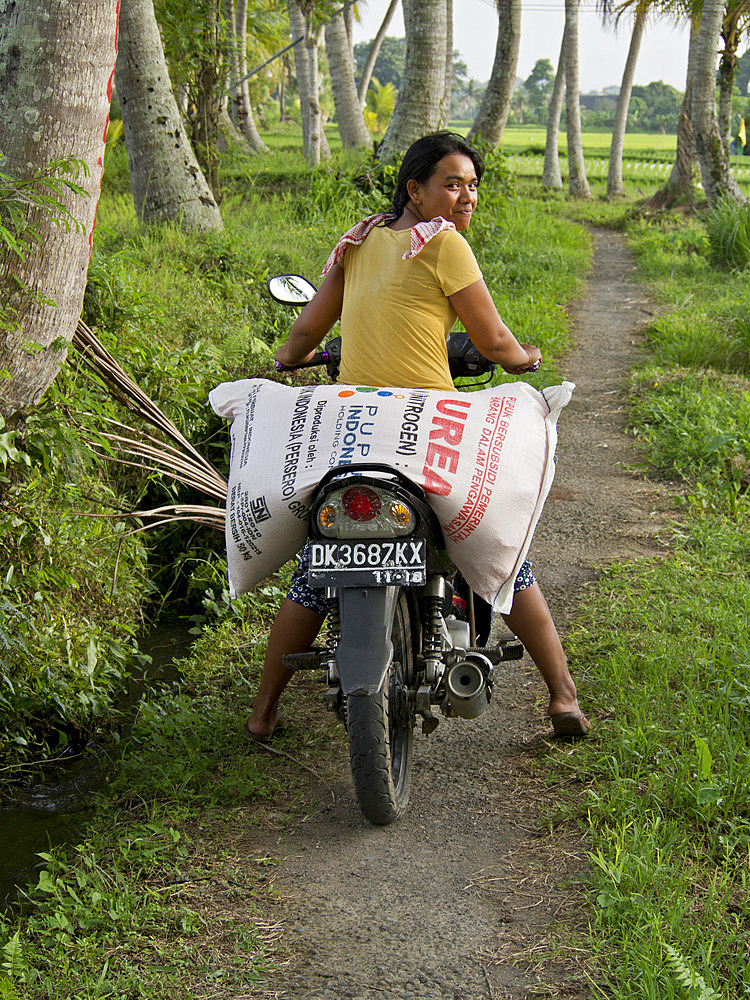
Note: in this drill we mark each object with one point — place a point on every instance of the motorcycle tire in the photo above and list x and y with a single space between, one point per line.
381 732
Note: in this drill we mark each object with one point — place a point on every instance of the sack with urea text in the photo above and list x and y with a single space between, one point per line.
485 460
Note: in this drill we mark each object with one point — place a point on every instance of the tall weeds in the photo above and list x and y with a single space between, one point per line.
728 227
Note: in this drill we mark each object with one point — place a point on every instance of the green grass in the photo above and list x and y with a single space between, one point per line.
665 648
157 900
523 138
666 801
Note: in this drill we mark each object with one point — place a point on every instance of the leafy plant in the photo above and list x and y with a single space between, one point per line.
693 982
379 105
24 201
14 960
728 229
8 450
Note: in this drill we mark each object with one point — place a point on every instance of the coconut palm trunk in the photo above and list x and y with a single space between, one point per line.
578 185
297 26
718 181
734 27
57 63
615 188
727 73
305 62
372 55
166 181
551 176
418 104
349 118
242 111
205 124
314 114
680 182
448 92
493 111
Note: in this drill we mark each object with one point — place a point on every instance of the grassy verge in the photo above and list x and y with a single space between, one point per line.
666 646
159 899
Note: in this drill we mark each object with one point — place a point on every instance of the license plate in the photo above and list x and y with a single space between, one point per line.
367 564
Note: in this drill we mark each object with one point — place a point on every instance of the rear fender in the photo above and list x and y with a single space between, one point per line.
365 650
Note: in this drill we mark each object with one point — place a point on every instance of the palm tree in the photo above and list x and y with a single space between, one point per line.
313 110
680 181
418 105
242 112
351 123
493 111
57 74
578 185
314 143
734 25
551 176
166 181
615 187
372 55
448 86
718 181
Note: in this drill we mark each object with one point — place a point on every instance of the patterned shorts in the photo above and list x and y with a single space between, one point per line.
313 598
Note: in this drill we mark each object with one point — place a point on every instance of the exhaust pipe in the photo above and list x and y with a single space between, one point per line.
468 685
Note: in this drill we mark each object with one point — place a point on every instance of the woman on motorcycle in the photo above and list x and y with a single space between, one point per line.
398 282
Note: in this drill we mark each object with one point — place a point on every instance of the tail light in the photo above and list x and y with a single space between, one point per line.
360 503
364 511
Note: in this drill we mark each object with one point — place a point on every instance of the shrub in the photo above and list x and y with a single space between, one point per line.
728 226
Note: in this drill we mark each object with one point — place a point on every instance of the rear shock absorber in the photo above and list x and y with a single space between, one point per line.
333 698
333 619
432 638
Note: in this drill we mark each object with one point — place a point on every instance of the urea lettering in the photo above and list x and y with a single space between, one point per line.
449 428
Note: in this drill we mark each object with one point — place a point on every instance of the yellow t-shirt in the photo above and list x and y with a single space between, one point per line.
396 315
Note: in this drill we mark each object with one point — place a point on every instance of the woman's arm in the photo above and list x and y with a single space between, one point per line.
315 320
487 332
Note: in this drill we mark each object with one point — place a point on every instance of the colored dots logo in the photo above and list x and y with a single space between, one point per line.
369 388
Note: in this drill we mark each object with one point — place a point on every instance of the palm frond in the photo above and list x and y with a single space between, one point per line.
180 461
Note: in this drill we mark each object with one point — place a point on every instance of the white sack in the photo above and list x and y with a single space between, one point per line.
484 458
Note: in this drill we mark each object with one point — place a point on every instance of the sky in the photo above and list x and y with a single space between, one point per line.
603 51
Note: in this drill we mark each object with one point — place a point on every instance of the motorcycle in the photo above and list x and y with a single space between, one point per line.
405 635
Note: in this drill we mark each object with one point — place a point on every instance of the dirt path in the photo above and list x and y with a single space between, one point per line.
455 900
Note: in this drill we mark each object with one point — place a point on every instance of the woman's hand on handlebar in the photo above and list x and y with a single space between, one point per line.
534 362
286 361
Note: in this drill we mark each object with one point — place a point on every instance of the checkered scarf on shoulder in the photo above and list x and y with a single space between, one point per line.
421 234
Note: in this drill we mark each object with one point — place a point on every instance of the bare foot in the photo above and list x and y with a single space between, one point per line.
566 715
262 727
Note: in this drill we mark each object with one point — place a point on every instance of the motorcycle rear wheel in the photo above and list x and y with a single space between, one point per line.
381 732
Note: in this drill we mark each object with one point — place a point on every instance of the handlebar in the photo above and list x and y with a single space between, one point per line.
464 360
319 358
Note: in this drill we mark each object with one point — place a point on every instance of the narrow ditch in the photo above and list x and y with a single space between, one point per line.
56 812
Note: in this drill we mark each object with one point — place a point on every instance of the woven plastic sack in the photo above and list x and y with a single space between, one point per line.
484 458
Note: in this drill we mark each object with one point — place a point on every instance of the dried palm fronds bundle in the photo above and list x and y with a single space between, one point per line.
179 461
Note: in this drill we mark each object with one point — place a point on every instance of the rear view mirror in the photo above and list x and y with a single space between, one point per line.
291 289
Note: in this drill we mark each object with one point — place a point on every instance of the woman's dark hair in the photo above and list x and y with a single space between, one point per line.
423 156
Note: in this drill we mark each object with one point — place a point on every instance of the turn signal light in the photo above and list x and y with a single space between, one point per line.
327 516
400 514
